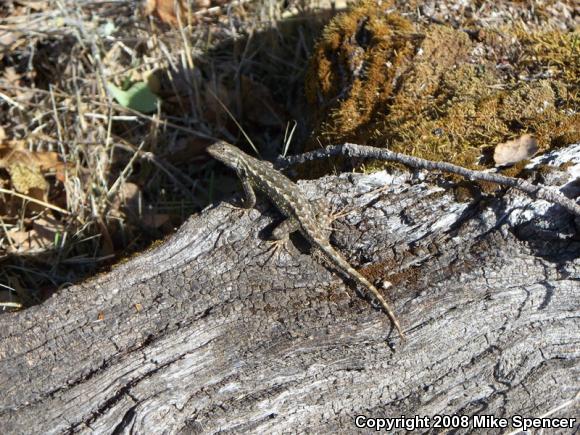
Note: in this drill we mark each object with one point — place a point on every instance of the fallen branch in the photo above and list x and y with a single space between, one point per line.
362 151
208 321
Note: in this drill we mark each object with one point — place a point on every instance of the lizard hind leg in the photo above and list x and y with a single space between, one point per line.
339 212
326 215
321 209
281 235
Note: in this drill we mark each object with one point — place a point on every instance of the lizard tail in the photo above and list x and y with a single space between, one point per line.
336 259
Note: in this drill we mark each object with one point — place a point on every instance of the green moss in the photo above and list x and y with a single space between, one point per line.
465 191
566 165
359 53
517 170
430 91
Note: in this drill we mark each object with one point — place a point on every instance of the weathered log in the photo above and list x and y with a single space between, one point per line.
211 332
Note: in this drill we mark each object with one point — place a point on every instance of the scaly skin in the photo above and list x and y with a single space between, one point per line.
300 213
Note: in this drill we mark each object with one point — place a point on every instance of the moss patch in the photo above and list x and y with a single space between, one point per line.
354 67
439 93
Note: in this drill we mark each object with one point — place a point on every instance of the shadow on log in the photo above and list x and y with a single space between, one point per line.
210 332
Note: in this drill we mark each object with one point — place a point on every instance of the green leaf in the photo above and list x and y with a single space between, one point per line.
138 97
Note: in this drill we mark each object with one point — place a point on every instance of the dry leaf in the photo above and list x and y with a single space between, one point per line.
46 160
26 241
15 151
28 179
107 245
11 76
35 5
27 168
213 109
7 147
514 151
7 38
127 197
166 9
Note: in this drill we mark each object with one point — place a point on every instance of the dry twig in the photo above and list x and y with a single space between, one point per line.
362 151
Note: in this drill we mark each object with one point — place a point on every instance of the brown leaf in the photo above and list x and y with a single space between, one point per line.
213 109
107 245
164 9
11 76
27 241
46 160
36 5
514 151
15 151
127 197
7 147
7 38
167 12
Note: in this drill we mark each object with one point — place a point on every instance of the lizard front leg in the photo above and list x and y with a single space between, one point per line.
249 194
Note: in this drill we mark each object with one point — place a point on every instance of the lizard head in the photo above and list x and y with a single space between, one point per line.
226 153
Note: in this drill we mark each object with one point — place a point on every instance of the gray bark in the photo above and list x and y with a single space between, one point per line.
208 332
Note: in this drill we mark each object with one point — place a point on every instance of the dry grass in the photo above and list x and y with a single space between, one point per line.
86 180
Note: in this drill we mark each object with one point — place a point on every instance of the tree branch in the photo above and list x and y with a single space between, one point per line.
362 151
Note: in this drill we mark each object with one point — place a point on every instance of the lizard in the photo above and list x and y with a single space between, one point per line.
300 213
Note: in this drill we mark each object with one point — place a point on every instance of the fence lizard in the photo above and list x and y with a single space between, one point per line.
301 215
